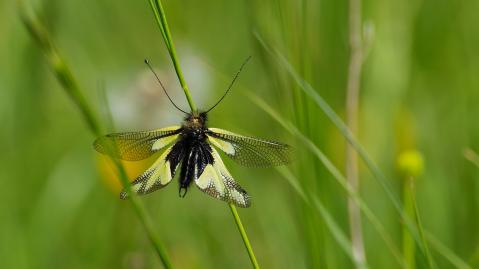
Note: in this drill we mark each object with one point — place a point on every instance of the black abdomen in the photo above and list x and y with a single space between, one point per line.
197 154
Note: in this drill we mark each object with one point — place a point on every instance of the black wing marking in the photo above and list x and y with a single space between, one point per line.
135 146
216 181
159 174
250 151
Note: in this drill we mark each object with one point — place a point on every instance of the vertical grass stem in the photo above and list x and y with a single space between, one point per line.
408 244
242 231
352 104
160 17
70 85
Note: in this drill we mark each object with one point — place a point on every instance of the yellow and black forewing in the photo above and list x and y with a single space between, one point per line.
250 151
135 146
158 175
216 181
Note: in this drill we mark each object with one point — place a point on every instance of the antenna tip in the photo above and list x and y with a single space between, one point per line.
147 61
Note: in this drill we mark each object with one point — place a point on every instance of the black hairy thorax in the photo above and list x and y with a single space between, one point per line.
192 150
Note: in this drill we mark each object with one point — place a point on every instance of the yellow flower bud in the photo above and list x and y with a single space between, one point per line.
410 163
109 174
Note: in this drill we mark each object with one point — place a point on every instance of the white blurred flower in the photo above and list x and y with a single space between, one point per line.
142 103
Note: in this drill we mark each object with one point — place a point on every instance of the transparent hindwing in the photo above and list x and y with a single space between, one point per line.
250 151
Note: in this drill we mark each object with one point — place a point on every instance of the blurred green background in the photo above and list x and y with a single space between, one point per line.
59 207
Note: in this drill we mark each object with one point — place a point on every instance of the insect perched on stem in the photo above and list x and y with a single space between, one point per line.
193 146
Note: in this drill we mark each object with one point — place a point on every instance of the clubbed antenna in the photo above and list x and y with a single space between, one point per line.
147 62
231 84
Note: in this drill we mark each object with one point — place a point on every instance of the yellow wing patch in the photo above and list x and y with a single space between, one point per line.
163 142
210 181
225 146
217 182
154 178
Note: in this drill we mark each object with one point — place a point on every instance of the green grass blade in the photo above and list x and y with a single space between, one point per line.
408 243
430 261
159 22
331 224
338 234
336 175
59 67
244 236
160 17
446 252
372 166
70 85
326 108
353 89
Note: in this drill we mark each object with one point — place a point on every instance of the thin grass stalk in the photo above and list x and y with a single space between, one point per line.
430 262
331 224
352 104
300 50
160 17
372 166
380 177
340 178
60 69
293 18
71 86
408 244
446 252
410 165
144 217
436 245
244 236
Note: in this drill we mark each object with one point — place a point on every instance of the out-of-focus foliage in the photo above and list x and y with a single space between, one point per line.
59 205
